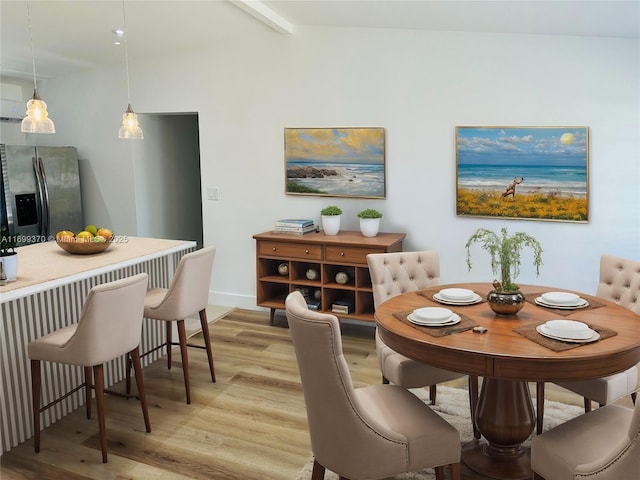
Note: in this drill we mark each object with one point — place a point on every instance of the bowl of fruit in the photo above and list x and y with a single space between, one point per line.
89 241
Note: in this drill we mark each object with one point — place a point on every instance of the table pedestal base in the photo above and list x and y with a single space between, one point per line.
505 417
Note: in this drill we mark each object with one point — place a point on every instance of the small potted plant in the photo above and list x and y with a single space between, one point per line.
8 255
369 222
331 219
504 251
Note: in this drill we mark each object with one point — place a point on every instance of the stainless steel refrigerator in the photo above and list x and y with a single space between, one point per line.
40 191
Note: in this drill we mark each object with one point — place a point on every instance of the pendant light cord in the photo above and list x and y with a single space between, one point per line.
126 51
33 58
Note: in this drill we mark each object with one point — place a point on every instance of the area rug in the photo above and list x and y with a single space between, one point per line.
453 406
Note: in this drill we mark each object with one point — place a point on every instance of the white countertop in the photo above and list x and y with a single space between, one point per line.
45 265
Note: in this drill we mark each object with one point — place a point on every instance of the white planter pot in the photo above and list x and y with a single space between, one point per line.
331 224
369 226
10 267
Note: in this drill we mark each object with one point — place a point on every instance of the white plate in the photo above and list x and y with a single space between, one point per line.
568 329
560 298
452 321
457 294
432 314
544 332
476 299
581 304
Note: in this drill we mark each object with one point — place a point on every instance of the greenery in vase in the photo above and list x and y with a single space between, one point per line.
505 254
369 213
331 210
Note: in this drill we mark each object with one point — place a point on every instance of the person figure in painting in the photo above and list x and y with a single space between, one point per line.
511 189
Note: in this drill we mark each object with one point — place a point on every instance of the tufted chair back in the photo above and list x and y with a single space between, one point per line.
620 282
400 272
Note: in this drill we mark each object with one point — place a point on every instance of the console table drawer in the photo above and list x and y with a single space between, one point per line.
290 250
349 254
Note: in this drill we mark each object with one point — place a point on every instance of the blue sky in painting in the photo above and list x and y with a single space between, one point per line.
554 146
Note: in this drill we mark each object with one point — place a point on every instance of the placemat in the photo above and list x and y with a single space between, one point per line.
429 292
465 324
531 298
529 331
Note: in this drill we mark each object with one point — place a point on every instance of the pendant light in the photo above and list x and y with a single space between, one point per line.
130 128
37 119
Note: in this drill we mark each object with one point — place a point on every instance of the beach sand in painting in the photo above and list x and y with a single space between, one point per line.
539 205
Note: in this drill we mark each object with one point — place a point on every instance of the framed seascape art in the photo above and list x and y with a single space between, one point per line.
535 173
335 162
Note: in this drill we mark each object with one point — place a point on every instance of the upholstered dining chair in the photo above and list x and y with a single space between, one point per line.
364 433
599 445
187 294
400 272
110 326
620 283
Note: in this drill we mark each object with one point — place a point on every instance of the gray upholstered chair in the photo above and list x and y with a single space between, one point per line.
362 433
187 294
599 445
620 283
393 274
110 326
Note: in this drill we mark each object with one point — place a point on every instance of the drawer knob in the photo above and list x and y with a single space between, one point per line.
342 254
273 248
306 251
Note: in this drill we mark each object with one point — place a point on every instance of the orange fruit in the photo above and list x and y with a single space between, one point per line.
106 233
65 236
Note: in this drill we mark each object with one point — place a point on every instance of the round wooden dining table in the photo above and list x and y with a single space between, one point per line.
508 355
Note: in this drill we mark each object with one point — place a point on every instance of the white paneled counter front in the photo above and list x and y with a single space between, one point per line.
48 294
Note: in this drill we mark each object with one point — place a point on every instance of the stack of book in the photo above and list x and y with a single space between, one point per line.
294 226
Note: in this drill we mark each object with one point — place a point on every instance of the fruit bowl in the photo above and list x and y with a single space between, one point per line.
84 248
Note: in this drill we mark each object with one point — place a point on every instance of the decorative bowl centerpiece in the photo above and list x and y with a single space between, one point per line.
83 248
87 242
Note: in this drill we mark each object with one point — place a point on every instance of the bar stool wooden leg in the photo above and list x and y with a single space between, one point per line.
169 340
87 389
128 375
207 342
137 366
35 402
98 375
182 335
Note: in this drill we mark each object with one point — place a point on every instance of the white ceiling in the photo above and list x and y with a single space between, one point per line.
71 36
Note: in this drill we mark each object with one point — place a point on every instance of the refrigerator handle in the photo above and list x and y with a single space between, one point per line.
44 196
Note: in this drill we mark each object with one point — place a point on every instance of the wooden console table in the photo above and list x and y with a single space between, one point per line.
283 260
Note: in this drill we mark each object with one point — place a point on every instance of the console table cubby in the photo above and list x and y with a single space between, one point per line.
283 260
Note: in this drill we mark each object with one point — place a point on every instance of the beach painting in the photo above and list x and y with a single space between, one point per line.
335 162
537 173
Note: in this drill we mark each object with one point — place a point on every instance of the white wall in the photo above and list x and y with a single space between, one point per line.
419 86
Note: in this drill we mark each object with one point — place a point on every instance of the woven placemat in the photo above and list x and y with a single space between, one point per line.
529 331
429 292
531 298
465 324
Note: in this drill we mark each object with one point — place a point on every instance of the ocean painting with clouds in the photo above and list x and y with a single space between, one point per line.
336 162
539 173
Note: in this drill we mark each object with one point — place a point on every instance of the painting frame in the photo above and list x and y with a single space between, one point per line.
523 172
335 162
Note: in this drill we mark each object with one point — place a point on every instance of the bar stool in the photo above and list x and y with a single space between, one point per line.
110 326
187 294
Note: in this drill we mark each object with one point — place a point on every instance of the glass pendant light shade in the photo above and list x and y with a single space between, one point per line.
37 119
130 128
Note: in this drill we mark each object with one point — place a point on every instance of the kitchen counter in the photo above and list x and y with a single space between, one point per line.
45 265
49 294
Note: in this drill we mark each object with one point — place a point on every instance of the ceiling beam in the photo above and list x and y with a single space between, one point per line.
266 15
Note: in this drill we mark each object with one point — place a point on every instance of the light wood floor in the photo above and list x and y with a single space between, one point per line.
250 424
